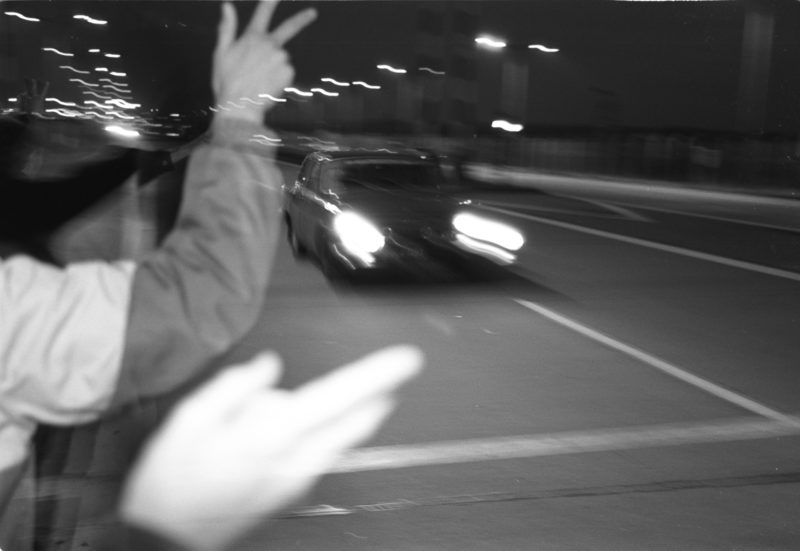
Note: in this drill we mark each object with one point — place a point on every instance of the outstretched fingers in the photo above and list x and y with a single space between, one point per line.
224 396
259 23
292 26
377 375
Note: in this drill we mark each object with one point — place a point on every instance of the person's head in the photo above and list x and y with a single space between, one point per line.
51 170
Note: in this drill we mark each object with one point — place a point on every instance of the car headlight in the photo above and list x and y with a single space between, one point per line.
357 234
489 231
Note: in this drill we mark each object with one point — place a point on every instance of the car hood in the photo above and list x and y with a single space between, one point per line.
407 213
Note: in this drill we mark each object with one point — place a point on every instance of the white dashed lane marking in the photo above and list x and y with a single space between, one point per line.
681 374
540 445
740 264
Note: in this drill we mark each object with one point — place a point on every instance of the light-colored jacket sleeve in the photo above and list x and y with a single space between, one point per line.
61 340
203 289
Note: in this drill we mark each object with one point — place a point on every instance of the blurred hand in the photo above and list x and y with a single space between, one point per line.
256 62
239 450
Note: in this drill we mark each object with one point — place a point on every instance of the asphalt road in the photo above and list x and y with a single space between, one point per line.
632 385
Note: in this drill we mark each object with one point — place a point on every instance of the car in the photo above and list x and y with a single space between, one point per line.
359 212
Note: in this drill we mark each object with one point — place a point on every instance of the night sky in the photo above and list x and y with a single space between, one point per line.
665 64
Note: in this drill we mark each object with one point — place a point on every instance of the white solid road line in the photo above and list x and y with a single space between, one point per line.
540 445
681 374
741 264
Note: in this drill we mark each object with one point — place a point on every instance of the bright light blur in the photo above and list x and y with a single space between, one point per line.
121 131
357 234
498 254
366 85
542 48
23 17
90 19
490 42
507 126
491 231
391 69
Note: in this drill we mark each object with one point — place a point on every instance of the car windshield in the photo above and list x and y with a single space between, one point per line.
383 175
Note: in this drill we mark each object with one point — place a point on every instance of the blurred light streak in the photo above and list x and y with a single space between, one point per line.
325 92
273 98
391 69
74 70
94 51
365 85
12 99
118 74
64 103
542 48
485 249
122 116
268 138
101 69
95 94
431 71
113 56
64 112
490 42
84 82
334 81
297 91
97 104
108 80
120 90
487 230
90 19
99 115
58 52
23 17
507 126
122 131
122 104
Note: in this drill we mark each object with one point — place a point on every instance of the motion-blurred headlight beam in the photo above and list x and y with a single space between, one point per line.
489 231
122 131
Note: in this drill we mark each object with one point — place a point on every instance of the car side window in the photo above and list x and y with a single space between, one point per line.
313 177
330 179
305 171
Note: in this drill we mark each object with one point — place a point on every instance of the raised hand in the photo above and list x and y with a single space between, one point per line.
255 62
238 450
